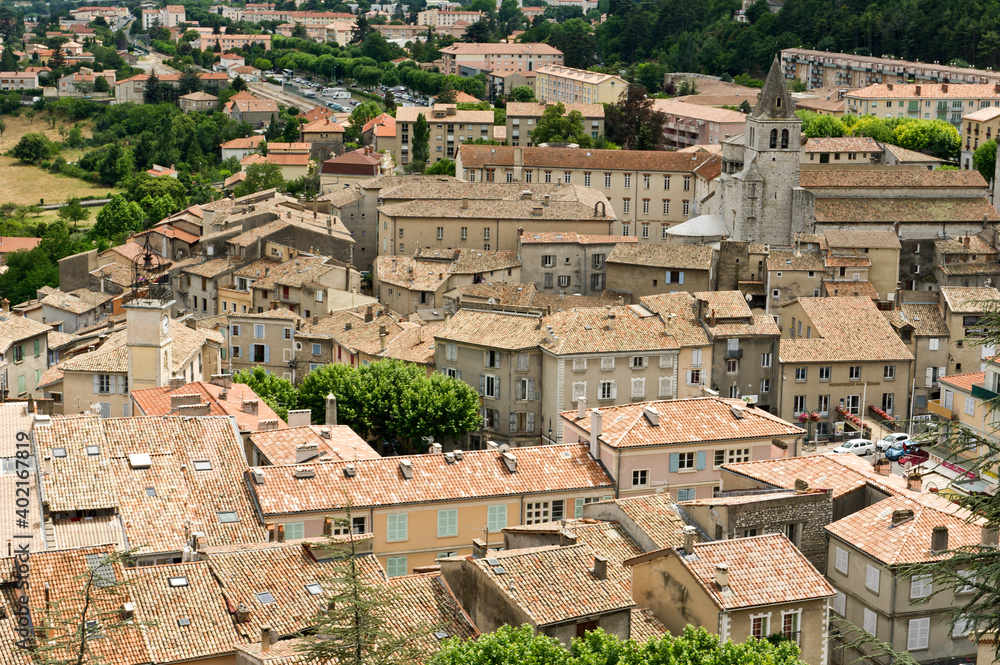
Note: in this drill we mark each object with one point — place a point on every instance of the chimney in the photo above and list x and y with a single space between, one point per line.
966 241
722 575
242 613
581 408
177 401
989 536
509 461
601 567
901 515
914 481
652 415
478 548
5 304
435 448
331 409
801 486
545 199
939 539
689 533
465 204
369 315
917 90
250 406
596 418
280 532
305 452
889 85
194 410
944 88
128 610
566 538
177 382
383 336
265 638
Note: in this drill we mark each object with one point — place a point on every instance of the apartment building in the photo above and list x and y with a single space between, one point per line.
501 83
18 81
448 126
244 107
264 340
820 69
665 446
24 355
738 589
355 337
695 124
921 327
556 83
567 262
304 284
230 42
840 356
170 16
942 101
645 270
981 125
467 59
970 260
963 309
522 118
441 496
132 89
965 413
440 18
649 191
306 18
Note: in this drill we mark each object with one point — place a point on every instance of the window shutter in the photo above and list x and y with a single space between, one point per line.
840 603
872 578
513 422
482 384
578 510
666 280
675 462
267 353
681 278
97 385
530 392
614 390
664 386
701 460
918 633
929 378
121 385
531 421
496 382
458 374
670 386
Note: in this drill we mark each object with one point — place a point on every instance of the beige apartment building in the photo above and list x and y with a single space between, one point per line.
523 117
448 128
649 191
981 125
941 101
922 329
24 355
696 124
840 356
962 309
568 262
556 83
264 340
644 270
466 59
441 18
304 284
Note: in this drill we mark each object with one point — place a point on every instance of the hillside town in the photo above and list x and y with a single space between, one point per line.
492 333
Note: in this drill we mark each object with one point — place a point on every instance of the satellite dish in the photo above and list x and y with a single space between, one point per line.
748 297
503 447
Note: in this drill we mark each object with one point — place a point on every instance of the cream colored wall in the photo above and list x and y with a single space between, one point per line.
79 396
793 284
666 587
884 271
273 338
641 280
812 626
840 386
239 302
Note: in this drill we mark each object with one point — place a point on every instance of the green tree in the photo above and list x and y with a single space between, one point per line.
3 128
441 167
101 85
188 83
376 47
8 61
934 137
32 148
299 31
239 84
139 186
633 123
57 62
361 114
152 93
984 159
118 218
421 143
157 208
745 107
73 212
260 177
277 393
825 126
446 94
361 29
557 126
522 94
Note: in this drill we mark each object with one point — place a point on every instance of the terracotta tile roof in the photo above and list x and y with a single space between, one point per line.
889 178
644 625
184 495
686 257
904 155
656 516
964 381
572 237
449 188
557 584
744 499
843 144
763 570
471 48
173 232
285 652
79 301
858 288
16 244
552 302
111 357
603 537
411 113
268 274
10 653
502 293
905 210
927 91
969 299
73 532
672 107
957 246
780 259
678 310
725 304
248 238
415 345
654 161
842 474
283 570
11 535
537 109
759 324
410 273
388 182
279 158
472 261
865 239
982 115
926 320
847 262
50 376
278 446
847 329
379 482
253 105
248 143
209 630
383 119
212 268
968 269
14 418
322 125
696 420
870 529
590 330
156 402
559 210
281 314
14 329
423 601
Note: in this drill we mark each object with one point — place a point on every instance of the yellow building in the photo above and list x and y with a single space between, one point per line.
978 127
424 507
556 83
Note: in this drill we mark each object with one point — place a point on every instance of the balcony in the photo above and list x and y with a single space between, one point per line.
934 406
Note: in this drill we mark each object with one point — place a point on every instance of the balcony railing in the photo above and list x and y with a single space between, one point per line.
934 406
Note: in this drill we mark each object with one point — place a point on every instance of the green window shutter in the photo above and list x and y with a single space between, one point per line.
701 460
21 387
496 518
578 509
675 462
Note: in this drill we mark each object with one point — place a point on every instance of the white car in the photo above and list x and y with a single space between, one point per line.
889 440
856 446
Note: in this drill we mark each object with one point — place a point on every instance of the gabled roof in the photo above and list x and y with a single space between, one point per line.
656 516
841 473
888 177
926 319
964 381
342 444
379 482
970 299
654 161
220 400
692 421
683 257
845 329
492 329
14 329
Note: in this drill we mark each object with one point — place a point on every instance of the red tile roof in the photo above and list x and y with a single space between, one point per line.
222 402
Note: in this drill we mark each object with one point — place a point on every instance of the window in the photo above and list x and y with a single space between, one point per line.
799 404
685 208
921 586
823 404
638 388
872 578
496 518
465 233
824 373
490 386
295 530
548 280
765 360
395 566
970 576
258 331
932 344
395 527
103 384
645 211
586 179
440 233
970 406
537 512
628 181
800 373
841 560
316 349
286 333
870 622
639 362
567 177
548 260
645 181
548 176
685 461
687 183
491 359
759 627
694 377
607 179
178 581
889 372
626 207
732 366
666 386
202 465
315 588
607 364
447 523
855 373
563 280
687 495
666 182
18 353
598 261
765 385
607 390
790 626
962 626
917 633
775 294
640 477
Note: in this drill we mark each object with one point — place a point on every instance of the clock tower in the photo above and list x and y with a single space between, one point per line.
149 344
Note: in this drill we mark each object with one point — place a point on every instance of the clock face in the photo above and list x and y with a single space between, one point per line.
166 324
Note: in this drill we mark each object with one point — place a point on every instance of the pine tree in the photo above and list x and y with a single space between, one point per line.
152 93
57 61
421 143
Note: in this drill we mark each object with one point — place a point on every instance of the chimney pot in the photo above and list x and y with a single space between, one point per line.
265 638
689 533
478 548
901 515
601 567
914 481
581 408
801 486
989 536
331 409
722 575
939 539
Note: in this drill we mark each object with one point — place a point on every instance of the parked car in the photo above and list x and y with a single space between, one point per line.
856 446
906 452
888 440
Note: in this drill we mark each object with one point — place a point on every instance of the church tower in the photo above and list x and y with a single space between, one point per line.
149 343
772 141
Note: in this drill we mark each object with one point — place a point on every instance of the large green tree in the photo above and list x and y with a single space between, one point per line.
260 177
277 393
421 143
558 126
73 212
522 93
32 148
633 123
118 218
984 159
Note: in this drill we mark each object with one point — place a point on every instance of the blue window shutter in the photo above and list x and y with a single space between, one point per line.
675 462
701 460
681 279
267 353
666 279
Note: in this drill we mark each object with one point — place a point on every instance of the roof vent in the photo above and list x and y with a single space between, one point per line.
902 515
449 458
258 476
350 471
140 460
459 454
305 472
652 415
509 461
326 433
738 412
406 468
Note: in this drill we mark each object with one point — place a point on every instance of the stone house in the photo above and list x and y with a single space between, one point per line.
922 329
325 136
24 355
348 169
567 262
267 340
793 274
305 284
644 270
970 260
678 446
68 312
746 587
244 107
198 101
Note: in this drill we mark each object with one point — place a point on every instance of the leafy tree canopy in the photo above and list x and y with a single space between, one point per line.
277 393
